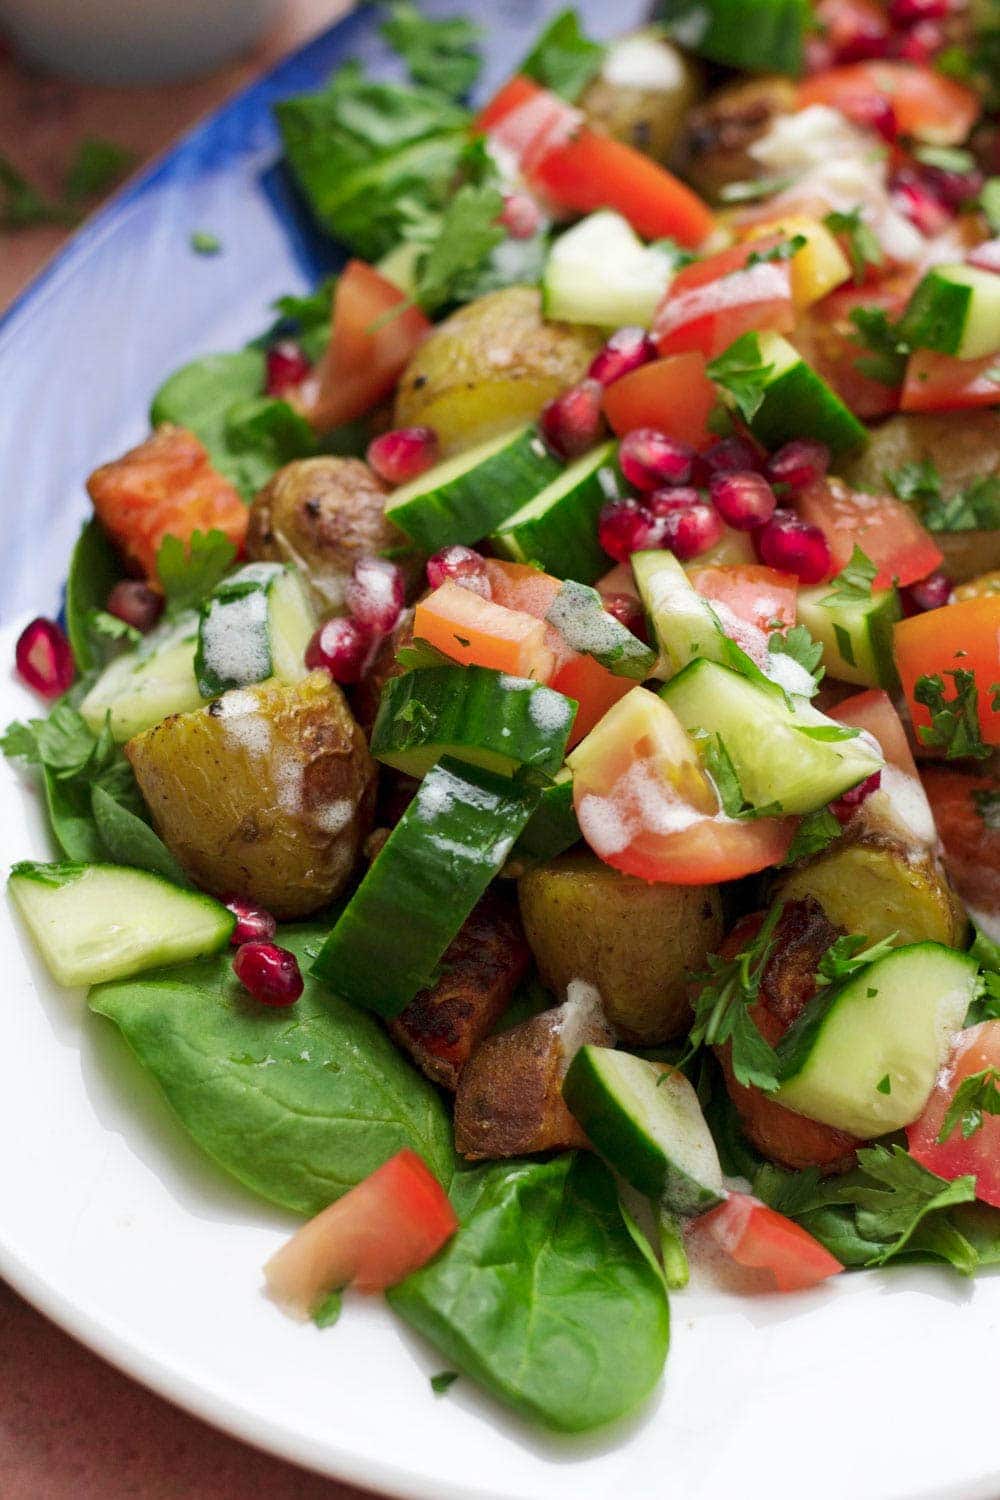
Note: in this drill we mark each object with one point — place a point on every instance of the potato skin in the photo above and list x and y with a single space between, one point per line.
490 366
647 119
267 793
712 149
636 943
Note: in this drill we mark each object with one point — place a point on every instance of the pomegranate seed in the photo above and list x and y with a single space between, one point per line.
909 12
625 527
286 367
463 566
918 202
649 459
625 351
818 55
845 807
866 36
921 44
730 455
253 923
930 593
744 500
680 497
627 610
376 593
135 603
794 546
954 189
521 216
798 464
691 531
403 454
871 112
342 648
572 422
271 974
44 658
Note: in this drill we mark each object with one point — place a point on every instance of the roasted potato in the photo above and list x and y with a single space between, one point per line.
491 365
712 149
635 942
509 1098
266 793
322 514
650 113
971 845
963 446
985 586
481 968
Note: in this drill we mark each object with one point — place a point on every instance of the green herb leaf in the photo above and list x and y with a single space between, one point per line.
887 362
564 59
443 54
800 646
783 250
329 1310
977 507
721 1010
815 832
976 1096
443 1381
96 167
847 954
188 575
741 372
884 1085
718 763
954 726
204 243
988 807
467 233
853 584
863 248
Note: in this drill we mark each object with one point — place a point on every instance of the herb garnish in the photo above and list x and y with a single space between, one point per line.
722 1008
564 59
441 54
847 954
816 831
740 370
954 726
189 575
853 584
863 248
887 361
973 508
976 1096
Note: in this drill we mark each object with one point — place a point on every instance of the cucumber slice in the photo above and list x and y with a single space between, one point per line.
684 625
644 1117
760 36
797 402
442 854
144 686
97 922
579 615
558 528
552 827
955 310
896 1020
466 497
782 749
256 625
475 715
856 634
600 272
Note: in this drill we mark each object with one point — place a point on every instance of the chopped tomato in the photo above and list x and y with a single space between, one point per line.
479 633
885 529
829 340
841 23
761 596
619 580
593 687
757 1236
369 347
873 712
976 1050
971 845
536 123
713 301
927 105
646 806
165 487
673 395
958 637
938 382
516 92
380 1231
520 586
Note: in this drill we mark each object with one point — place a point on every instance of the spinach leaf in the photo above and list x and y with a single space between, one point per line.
129 840
543 1295
94 570
262 434
564 59
71 818
298 1105
441 54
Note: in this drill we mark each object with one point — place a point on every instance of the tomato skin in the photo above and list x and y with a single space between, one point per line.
516 92
885 529
759 1237
963 636
975 1049
478 632
971 847
713 301
754 593
873 711
593 687
386 1226
938 382
674 395
927 105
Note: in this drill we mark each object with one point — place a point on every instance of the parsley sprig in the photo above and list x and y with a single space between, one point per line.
976 507
743 374
863 249
886 361
853 584
189 574
722 1009
440 54
847 954
954 726
976 1096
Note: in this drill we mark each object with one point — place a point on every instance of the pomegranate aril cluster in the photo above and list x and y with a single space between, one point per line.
285 368
625 351
573 422
912 30
794 546
461 565
650 459
346 645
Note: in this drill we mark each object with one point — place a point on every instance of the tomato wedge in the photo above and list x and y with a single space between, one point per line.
884 528
958 637
937 382
757 1236
369 347
476 632
376 1234
971 845
673 395
927 105
646 806
872 711
713 301
761 596
976 1050
517 91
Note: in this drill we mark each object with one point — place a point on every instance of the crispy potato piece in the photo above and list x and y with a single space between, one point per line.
649 119
712 149
635 942
266 793
985 586
491 365
482 967
509 1098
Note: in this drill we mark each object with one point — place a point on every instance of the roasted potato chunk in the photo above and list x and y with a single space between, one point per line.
267 792
963 446
509 1100
971 845
481 968
647 116
491 365
985 586
712 149
636 943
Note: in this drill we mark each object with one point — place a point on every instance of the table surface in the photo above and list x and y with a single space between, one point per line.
71 1427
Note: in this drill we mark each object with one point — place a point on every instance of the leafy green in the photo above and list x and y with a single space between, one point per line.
800 646
863 249
954 726
783 250
887 360
329 1310
129 840
95 167
976 1096
443 1381
973 508
307 316
298 1104
987 804
189 574
847 954
721 1010
564 59
543 1295
815 832
462 240
741 372
443 54
718 763
853 584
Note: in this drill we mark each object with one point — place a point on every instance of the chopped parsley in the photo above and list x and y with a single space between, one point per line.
954 726
443 1381
863 249
784 250
741 372
886 362
460 241
976 1096
189 574
816 831
847 954
800 646
564 59
977 507
718 763
853 584
441 54
96 167
884 1085
722 1009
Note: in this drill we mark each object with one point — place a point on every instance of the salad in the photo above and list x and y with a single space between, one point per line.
521 747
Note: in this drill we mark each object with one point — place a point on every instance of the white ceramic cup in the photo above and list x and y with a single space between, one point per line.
133 41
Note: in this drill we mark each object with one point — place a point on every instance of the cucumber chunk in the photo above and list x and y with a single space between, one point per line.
644 1117
558 528
856 634
552 827
600 272
893 1020
760 36
579 615
472 714
683 623
466 497
96 922
796 401
256 625
955 310
144 686
786 755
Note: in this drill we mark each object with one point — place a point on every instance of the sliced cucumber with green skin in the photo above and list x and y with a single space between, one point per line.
759 36
600 272
467 497
645 1119
552 827
579 615
451 841
144 686
894 1020
558 528
472 714
96 922
786 754
856 634
955 310
257 624
684 625
798 403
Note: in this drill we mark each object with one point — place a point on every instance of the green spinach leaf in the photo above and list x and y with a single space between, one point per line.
94 570
129 840
564 59
442 54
